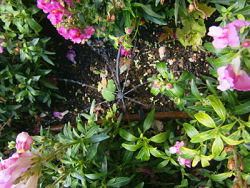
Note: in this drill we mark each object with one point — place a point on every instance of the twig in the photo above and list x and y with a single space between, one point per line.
237 167
7 122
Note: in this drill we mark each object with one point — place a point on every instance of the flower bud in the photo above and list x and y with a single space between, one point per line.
231 164
23 142
128 31
168 86
113 18
246 44
190 8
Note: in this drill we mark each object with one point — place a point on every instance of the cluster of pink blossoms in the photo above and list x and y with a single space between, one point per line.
11 168
56 12
176 149
228 35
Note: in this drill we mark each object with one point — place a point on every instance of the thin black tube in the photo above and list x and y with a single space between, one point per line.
117 68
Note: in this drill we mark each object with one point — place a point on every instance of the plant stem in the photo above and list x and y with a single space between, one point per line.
237 167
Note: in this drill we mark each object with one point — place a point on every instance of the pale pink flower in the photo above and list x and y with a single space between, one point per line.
70 55
176 147
31 183
231 76
168 86
124 52
23 142
11 169
186 162
60 115
89 30
103 28
227 35
76 36
64 32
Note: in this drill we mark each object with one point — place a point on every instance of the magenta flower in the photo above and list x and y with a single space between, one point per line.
231 76
64 32
124 52
186 162
44 6
23 142
246 44
128 31
227 35
70 55
76 36
168 86
89 30
156 82
60 115
55 17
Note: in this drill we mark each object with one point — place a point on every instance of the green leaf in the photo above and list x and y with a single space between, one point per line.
222 176
187 153
118 182
185 76
98 3
140 185
230 141
217 51
92 150
226 128
97 138
242 109
211 87
91 131
127 157
126 135
195 90
43 72
218 107
246 136
95 176
148 121
155 91
163 163
177 91
36 92
205 119
151 18
131 147
45 58
217 146
144 154
224 60
243 11
162 68
204 136
205 160
34 25
160 137
107 95
190 130
149 11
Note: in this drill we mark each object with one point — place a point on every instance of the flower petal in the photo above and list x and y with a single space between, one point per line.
242 81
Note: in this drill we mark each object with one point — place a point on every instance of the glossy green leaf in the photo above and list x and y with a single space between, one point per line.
126 135
118 182
97 138
162 68
226 128
222 176
148 121
204 136
217 146
95 176
149 11
131 147
45 58
34 25
243 11
209 46
151 18
205 119
187 153
218 107
195 90
92 150
224 60
190 130
160 137
127 157
177 91
205 160
245 136
163 164
98 3
144 154
140 185
242 109
230 141
211 87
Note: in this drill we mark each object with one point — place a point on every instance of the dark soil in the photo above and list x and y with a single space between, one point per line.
78 99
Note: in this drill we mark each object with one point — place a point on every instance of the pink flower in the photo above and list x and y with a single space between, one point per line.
174 35
246 44
231 76
75 35
156 82
63 31
168 86
11 169
176 147
55 17
89 31
186 162
103 28
124 52
44 6
23 142
128 31
227 35
1 48
60 115
31 183
70 55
